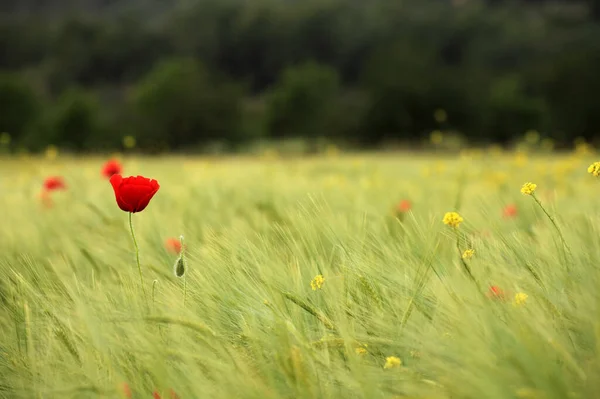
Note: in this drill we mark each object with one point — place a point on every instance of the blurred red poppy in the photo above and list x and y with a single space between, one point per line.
127 390
404 206
173 245
133 194
510 211
496 292
112 167
54 183
156 395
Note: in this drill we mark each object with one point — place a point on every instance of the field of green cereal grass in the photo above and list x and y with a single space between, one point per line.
391 311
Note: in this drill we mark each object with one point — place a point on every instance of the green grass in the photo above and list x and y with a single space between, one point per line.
74 322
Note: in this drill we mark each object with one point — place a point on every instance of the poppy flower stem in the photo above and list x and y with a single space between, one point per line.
137 254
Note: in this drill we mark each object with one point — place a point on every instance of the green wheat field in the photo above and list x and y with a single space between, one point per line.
394 310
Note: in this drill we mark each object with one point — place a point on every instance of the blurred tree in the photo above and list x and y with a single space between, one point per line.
510 112
572 89
495 70
303 102
22 44
74 119
180 104
20 107
399 82
88 52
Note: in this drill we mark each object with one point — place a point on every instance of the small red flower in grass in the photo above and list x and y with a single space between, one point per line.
173 245
133 194
404 206
110 168
510 211
156 395
496 292
54 183
127 390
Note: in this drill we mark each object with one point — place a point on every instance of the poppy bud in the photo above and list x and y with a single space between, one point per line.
180 267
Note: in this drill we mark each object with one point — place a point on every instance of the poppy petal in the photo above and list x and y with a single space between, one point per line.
134 193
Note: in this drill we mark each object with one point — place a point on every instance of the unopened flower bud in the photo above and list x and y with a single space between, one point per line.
180 267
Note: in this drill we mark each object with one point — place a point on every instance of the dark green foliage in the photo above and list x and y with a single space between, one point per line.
179 104
74 120
201 72
303 102
19 105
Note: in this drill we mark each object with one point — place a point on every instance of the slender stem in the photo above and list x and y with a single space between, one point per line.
154 291
184 288
137 254
562 238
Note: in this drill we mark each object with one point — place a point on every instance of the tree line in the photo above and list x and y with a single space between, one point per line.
187 76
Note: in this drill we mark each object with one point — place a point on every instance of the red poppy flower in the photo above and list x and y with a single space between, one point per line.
496 292
133 193
127 390
54 183
510 211
173 245
404 206
112 167
156 395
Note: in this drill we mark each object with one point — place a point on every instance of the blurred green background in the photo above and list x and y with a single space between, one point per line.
224 75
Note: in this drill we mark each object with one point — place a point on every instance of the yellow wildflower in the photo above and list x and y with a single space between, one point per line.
594 169
528 188
452 219
468 254
520 298
317 282
391 362
129 141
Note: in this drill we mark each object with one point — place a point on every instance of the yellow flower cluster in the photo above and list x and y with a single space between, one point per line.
391 362
520 299
317 282
453 219
468 254
594 169
528 188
